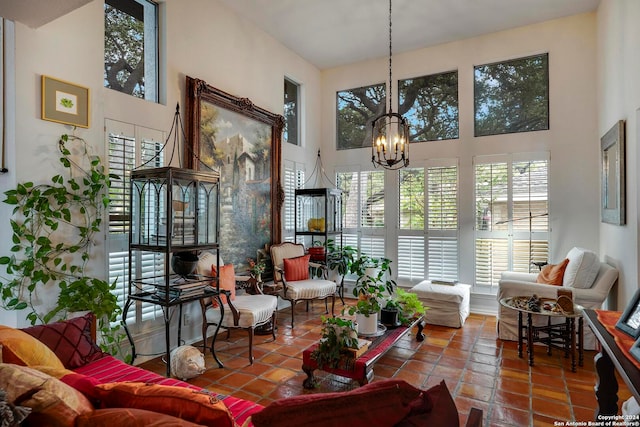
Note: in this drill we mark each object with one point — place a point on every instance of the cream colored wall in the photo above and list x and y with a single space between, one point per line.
571 139
202 39
618 84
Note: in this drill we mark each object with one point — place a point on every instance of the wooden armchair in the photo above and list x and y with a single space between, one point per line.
291 269
247 311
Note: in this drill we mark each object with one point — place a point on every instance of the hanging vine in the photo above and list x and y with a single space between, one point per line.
54 228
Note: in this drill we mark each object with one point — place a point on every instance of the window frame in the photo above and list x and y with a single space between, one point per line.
296 113
381 104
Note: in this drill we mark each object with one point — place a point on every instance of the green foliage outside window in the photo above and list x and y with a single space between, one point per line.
512 96
356 109
430 104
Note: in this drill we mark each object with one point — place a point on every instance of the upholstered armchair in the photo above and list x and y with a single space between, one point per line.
291 268
589 280
245 311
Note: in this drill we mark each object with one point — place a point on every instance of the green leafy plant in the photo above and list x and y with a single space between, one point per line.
338 335
409 306
340 259
371 289
54 228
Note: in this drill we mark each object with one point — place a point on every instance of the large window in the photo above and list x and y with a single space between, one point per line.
291 132
363 211
512 211
129 147
512 96
428 238
355 111
131 47
430 104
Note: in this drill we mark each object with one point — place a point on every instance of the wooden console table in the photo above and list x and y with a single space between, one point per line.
608 358
361 369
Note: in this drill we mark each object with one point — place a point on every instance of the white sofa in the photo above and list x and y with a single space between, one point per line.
589 279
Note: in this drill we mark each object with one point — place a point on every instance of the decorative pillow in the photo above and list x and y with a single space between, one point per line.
83 383
444 412
227 281
129 417
70 340
582 269
296 268
383 403
52 402
552 274
200 407
20 348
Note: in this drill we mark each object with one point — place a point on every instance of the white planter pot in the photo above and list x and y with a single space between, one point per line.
367 325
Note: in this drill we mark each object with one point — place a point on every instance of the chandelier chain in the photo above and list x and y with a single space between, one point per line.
390 77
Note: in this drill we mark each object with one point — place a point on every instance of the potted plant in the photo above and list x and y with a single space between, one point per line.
409 306
389 314
338 336
374 284
256 268
340 260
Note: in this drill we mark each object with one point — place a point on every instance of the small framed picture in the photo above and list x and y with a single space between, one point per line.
629 322
65 102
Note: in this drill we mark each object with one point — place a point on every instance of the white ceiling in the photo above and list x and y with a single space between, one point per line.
330 33
34 13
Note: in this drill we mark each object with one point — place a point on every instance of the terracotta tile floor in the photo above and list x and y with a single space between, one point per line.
480 370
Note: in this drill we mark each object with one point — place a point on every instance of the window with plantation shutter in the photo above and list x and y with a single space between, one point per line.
512 211
294 176
129 147
428 238
363 210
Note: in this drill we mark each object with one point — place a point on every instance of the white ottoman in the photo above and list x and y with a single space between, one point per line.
448 305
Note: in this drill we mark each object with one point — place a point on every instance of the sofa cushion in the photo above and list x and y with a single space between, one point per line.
296 268
444 411
553 274
129 417
582 268
20 348
70 340
53 403
383 403
200 407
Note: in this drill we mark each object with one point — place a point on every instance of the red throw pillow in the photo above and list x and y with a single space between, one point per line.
70 340
200 407
383 403
227 281
553 274
296 268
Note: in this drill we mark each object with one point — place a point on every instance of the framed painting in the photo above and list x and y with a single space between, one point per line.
242 142
629 322
65 102
613 180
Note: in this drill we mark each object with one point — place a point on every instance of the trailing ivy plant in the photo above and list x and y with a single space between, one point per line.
54 226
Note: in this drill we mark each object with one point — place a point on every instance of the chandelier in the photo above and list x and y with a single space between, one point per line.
390 131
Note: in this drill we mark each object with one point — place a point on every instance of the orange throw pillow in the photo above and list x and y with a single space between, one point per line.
200 407
227 281
129 417
552 274
22 349
296 268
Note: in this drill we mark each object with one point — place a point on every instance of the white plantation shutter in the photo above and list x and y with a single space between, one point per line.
363 211
294 176
125 152
512 226
428 239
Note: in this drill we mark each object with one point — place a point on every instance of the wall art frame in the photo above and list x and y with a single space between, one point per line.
613 175
65 102
629 322
243 142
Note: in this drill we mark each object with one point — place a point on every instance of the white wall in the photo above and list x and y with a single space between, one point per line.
571 139
201 38
618 86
